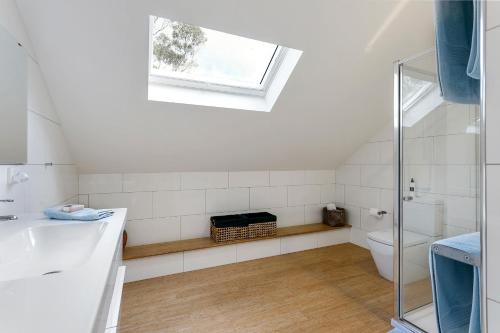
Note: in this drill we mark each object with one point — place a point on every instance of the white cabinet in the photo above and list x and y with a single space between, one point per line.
116 299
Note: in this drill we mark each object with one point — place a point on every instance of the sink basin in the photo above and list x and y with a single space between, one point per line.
48 249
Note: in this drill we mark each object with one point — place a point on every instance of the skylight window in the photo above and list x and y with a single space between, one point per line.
191 57
420 95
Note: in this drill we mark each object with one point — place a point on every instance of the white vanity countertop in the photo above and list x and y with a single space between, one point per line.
66 302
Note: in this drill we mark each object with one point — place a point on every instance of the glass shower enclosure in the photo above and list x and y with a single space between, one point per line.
436 181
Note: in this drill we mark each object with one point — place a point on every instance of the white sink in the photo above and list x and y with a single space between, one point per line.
76 300
48 249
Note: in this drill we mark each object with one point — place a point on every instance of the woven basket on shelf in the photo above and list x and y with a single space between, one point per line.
334 218
255 230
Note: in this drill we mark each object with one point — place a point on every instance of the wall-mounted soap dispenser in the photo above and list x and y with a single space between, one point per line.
412 188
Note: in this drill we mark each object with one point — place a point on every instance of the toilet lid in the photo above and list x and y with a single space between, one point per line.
387 237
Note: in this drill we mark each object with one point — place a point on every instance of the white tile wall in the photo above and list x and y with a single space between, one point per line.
248 178
278 178
204 180
353 215
151 231
314 214
195 196
340 193
451 179
268 197
175 203
455 149
138 182
195 226
138 203
289 216
327 193
304 195
366 197
419 151
461 212
348 175
227 200
380 176
439 153
318 177
387 200
100 183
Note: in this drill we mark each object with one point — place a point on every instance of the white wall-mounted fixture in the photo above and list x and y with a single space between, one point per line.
16 176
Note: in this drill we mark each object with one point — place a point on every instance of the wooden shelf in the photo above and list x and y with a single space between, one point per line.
142 251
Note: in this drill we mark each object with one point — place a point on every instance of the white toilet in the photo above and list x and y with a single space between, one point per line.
422 225
381 248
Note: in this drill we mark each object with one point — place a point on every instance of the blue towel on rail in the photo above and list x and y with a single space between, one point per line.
474 64
457 49
86 214
455 283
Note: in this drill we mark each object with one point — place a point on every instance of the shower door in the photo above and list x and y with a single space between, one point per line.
435 183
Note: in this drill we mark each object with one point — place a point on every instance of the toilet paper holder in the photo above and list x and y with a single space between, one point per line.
377 212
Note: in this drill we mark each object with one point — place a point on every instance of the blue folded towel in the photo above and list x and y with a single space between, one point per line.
457 34
86 214
455 283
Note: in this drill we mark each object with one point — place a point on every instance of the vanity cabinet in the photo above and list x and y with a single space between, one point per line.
109 313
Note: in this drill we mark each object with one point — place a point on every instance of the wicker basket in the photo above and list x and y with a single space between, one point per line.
255 230
334 218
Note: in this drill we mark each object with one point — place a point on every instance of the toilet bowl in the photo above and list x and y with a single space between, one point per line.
381 248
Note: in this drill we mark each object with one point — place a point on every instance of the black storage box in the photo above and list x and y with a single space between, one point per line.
241 220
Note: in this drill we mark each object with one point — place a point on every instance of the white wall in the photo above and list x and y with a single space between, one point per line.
337 96
365 181
440 154
173 206
492 47
49 185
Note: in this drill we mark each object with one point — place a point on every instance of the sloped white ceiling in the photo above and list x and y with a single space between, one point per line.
93 54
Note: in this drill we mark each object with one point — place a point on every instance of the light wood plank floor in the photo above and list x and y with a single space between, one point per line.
331 289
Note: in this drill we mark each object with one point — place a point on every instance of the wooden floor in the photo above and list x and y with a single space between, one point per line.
331 289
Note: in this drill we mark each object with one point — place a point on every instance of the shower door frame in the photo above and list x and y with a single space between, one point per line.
399 319
398 194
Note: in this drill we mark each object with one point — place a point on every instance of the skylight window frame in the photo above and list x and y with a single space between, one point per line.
268 76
